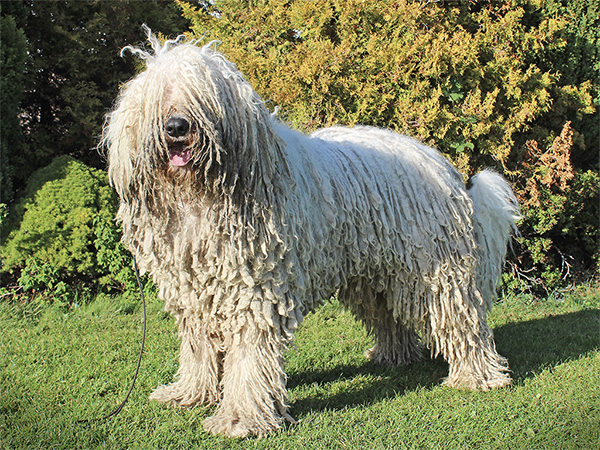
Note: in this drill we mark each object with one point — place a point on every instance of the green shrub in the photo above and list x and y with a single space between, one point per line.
63 231
561 210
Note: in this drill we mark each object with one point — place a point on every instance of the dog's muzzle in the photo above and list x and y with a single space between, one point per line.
177 129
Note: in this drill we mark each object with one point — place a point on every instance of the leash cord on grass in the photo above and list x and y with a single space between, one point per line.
118 409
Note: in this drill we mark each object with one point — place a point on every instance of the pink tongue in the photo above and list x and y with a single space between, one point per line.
180 159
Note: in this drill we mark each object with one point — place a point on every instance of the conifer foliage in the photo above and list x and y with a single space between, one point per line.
474 79
505 84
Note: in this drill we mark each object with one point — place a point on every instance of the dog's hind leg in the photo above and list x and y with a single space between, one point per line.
197 380
461 333
474 362
395 344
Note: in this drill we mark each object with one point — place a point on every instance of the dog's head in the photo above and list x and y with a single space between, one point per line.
190 117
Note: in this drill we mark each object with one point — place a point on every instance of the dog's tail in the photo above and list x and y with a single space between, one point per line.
495 213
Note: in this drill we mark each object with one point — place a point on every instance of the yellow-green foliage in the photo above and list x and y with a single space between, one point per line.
473 79
462 80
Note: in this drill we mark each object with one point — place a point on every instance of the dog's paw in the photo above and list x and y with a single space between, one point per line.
477 383
402 357
175 394
235 426
165 394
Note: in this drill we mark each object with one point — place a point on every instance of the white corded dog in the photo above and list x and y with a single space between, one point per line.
246 226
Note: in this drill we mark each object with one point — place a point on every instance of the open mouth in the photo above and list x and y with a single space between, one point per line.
179 155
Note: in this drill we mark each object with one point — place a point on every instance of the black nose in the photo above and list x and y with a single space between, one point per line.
177 127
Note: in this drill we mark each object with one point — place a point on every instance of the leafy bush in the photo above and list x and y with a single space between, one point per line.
560 233
474 79
63 231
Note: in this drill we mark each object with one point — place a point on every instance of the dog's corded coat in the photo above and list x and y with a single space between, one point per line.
246 226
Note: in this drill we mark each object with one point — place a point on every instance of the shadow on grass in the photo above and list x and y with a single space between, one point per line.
530 346
535 345
366 384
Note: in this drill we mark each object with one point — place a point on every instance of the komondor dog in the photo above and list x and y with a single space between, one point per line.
246 226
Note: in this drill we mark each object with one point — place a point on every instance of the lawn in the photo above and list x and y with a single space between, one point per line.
60 365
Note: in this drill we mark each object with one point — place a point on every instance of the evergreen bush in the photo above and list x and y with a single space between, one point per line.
481 81
62 231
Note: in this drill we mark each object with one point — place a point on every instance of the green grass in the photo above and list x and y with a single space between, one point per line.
60 366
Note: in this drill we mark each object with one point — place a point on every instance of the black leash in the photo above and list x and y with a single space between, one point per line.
118 409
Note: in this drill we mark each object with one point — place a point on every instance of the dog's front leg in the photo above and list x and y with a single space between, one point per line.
197 381
253 384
